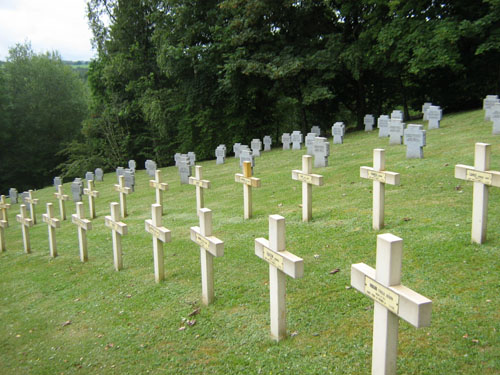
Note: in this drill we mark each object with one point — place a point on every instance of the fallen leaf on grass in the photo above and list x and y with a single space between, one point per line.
66 323
191 322
194 312
475 341
182 328
294 333
108 346
76 299
128 295
406 218
18 336
446 164
458 188
333 272
316 256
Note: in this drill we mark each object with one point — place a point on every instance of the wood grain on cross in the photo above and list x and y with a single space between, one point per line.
124 191
118 229
210 247
52 224
4 206
308 180
160 235
248 183
380 177
200 184
61 197
26 223
392 301
281 263
482 178
83 226
92 194
160 187
32 202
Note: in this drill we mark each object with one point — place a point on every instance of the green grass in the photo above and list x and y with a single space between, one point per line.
124 323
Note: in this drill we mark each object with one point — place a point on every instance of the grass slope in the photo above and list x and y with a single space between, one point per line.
124 323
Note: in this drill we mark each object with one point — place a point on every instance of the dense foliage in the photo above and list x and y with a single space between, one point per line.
42 105
177 76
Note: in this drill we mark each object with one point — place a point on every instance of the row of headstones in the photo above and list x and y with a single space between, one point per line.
491 106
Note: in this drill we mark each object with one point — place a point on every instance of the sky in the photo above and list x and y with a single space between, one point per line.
50 25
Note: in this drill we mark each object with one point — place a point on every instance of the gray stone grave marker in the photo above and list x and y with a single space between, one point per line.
425 107
297 140
369 121
316 130
247 155
57 181
397 115
338 131
286 140
415 141
321 151
151 169
488 103
396 131
383 126
267 143
184 169
434 114
77 189
495 117
192 158
177 157
129 175
132 165
89 176
24 195
256 146
13 195
99 174
236 150
220 154
310 137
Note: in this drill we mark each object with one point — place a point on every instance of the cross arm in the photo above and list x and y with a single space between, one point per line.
314 179
287 262
123 189
4 224
210 243
93 193
251 181
4 205
205 184
83 223
32 200
162 233
412 307
64 197
52 221
156 185
118 226
468 173
391 178
24 221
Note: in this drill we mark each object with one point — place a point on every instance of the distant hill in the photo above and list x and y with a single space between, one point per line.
81 67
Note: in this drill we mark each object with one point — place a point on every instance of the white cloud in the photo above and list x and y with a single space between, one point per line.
50 25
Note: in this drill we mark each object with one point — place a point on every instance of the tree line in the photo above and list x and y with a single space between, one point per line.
177 75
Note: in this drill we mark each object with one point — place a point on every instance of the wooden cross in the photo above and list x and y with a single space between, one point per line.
3 224
308 180
160 187
281 263
52 224
83 226
124 191
26 223
4 206
92 195
210 247
32 202
118 229
380 177
392 301
200 185
248 183
61 198
482 178
160 235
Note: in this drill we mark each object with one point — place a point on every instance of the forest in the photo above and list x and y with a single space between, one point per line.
177 76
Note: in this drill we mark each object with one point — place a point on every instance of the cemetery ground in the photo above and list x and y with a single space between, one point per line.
61 316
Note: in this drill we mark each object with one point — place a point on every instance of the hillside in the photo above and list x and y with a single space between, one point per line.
62 316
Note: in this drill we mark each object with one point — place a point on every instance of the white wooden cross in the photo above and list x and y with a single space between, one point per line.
308 180
4 206
61 197
32 202
26 223
83 226
281 263
3 224
482 178
92 194
248 183
210 247
160 187
52 224
124 191
392 301
118 229
380 177
160 235
200 185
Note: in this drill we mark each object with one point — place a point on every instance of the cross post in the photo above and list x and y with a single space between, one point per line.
210 247
160 187
92 194
3 224
26 223
124 191
32 202
61 197
4 206
52 224
392 301
200 185
281 263
380 177
482 178
160 235
118 229
248 182
83 226
308 180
